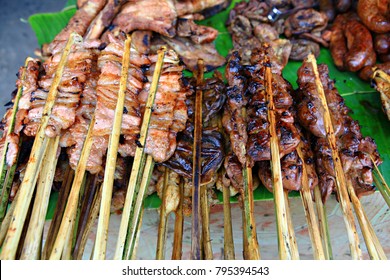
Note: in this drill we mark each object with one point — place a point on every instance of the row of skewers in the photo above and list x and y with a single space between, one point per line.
126 101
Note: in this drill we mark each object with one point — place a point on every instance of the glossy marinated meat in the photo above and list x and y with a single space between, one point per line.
245 117
199 34
169 114
29 84
375 14
78 23
367 72
73 79
110 64
382 43
310 111
155 15
354 150
212 152
190 53
291 167
351 44
74 137
104 19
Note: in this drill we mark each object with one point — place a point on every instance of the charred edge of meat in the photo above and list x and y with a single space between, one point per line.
216 9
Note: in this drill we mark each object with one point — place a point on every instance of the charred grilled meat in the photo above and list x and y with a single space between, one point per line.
355 150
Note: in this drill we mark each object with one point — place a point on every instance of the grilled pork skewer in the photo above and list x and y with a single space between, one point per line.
37 153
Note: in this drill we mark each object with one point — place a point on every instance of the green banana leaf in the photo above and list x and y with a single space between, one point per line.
363 101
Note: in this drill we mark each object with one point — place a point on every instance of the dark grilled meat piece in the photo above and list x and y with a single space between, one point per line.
355 151
190 53
309 108
212 152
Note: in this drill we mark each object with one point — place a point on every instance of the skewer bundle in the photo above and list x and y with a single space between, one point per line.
134 103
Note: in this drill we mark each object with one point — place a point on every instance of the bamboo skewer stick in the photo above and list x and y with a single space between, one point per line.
7 220
206 238
340 178
32 243
134 221
139 159
285 246
104 217
24 231
291 231
6 190
162 227
178 230
58 213
137 235
72 201
380 183
365 225
39 147
3 165
88 204
67 251
251 245
7 173
377 244
196 168
307 202
323 223
228 242
92 217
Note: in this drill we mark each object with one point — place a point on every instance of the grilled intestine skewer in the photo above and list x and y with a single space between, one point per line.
339 139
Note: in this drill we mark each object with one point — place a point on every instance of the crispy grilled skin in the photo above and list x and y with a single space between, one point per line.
169 114
74 137
291 167
309 109
212 140
110 64
74 76
245 117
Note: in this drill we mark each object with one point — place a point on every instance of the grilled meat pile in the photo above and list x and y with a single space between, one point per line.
262 21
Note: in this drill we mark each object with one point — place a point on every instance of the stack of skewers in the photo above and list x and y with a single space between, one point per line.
116 118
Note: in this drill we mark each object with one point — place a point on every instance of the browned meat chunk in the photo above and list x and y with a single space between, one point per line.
155 15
